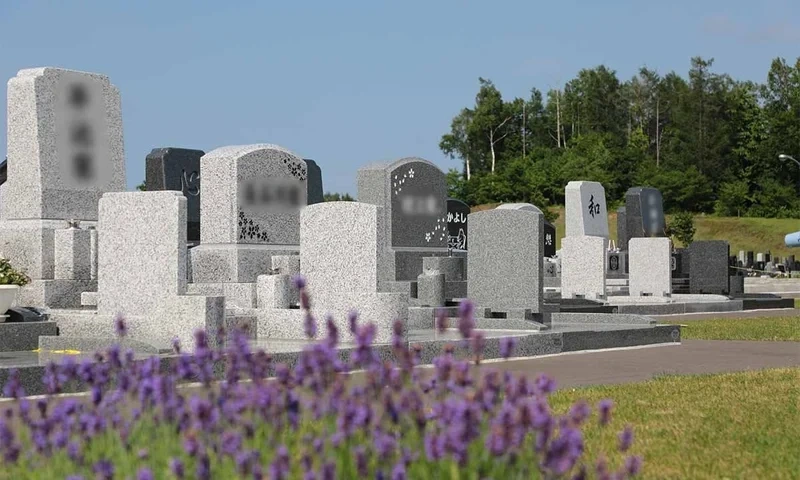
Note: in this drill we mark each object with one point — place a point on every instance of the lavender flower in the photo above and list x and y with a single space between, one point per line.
299 282
604 407
104 470
507 346
633 465
441 320
144 474
625 439
176 467
120 326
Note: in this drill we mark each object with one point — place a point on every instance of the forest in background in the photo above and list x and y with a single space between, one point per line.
708 142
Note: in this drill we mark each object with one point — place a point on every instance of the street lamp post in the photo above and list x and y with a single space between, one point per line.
785 157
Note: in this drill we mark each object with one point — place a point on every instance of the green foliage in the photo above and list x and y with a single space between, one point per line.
681 228
708 142
337 197
141 187
11 276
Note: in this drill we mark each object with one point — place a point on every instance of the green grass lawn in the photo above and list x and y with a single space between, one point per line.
759 328
743 233
740 425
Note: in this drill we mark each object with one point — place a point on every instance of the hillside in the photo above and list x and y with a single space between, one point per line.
743 233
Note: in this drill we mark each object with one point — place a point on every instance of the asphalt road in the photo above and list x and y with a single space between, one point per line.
640 364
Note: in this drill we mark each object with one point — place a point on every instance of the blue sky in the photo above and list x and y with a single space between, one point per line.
352 82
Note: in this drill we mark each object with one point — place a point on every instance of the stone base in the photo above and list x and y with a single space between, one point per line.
408 262
237 263
55 293
379 308
22 336
30 245
237 295
179 320
101 344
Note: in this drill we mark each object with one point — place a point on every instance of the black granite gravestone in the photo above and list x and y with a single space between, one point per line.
549 240
4 171
177 169
622 234
709 267
644 214
314 182
457 231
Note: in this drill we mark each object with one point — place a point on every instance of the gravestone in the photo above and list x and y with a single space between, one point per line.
584 259
548 230
650 266
750 259
502 276
622 234
342 272
413 191
644 214
250 211
142 274
315 191
65 150
65 146
4 171
177 169
549 240
457 231
586 211
708 273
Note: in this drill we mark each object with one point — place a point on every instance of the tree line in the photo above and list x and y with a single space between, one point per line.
708 142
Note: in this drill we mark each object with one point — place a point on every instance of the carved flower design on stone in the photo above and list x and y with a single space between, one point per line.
410 173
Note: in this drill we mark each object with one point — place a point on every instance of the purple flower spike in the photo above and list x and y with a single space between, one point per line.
466 321
441 320
144 474
104 470
120 326
545 384
626 439
310 326
478 341
605 407
507 346
352 321
299 282
176 467
633 465
579 412
176 345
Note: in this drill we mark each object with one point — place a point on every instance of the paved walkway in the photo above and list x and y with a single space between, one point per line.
640 364
767 312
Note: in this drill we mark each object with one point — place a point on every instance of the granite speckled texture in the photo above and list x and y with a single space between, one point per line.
431 289
585 211
142 268
276 291
55 293
708 271
226 172
18 336
453 268
342 271
177 169
505 259
40 110
413 192
650 262
583 267
30 246
234 263
286 264
100 344
73 254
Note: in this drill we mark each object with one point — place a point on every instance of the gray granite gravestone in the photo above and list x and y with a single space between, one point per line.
65 150
622 233
502 276
585 209
584 249
177 169
644 214
457 231
250 211
708 271
413 191
342 273
315 191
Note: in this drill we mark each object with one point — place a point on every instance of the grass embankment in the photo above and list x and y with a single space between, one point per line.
785 329
740 425
743 233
